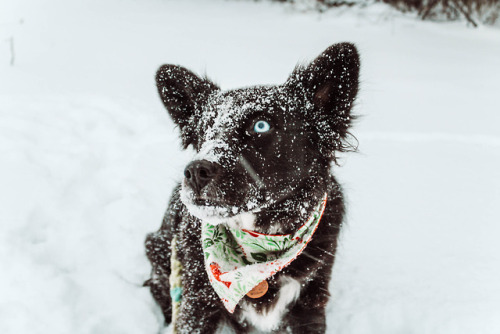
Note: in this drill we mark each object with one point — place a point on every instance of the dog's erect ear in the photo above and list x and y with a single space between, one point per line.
183 93
330 82
333 77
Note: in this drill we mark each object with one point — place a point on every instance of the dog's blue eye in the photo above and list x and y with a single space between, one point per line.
261 126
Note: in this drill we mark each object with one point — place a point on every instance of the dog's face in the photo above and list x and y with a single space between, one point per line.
257 146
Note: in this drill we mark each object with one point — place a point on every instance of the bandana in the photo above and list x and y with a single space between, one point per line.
236 260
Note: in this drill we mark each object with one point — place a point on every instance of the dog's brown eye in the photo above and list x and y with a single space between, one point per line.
261 126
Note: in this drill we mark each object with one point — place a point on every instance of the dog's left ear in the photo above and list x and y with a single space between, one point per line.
330 82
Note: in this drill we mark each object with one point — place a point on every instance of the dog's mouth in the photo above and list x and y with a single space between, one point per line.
198 201
213 209
205 207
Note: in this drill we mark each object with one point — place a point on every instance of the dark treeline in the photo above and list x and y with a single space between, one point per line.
474 11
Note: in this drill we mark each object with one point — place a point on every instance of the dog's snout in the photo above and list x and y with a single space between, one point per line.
199 173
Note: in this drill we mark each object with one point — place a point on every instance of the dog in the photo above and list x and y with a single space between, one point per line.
262 169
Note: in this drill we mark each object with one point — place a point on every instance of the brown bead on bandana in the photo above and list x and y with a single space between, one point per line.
259 291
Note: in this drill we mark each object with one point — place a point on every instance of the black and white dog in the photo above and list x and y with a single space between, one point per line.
263 162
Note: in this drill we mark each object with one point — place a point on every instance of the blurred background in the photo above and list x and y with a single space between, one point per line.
88 155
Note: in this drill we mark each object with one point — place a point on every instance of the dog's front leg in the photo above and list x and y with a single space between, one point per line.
304 320
158 252
198 316
308 315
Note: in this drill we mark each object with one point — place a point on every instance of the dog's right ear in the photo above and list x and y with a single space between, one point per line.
183 93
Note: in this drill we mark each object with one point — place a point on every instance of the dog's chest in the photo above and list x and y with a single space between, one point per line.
269 318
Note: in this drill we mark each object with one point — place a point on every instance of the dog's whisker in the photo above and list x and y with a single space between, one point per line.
325 251
248 167
312 257
325 290
322 250
307 324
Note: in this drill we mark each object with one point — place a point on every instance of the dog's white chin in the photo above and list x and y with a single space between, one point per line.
215 215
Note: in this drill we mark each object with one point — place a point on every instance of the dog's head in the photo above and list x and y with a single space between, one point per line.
256 146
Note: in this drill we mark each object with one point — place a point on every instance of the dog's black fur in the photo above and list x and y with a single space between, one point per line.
279 176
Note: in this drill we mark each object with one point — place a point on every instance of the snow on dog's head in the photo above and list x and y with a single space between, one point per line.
256 146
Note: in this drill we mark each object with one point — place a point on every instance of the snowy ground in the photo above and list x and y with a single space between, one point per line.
88 158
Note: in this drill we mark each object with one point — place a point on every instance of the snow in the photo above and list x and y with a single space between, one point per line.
89 157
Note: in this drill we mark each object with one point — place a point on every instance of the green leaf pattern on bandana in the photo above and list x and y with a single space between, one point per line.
238 260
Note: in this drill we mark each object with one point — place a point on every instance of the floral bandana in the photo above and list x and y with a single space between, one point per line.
238 260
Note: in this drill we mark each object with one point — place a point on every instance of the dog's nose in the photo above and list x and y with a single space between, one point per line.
198 173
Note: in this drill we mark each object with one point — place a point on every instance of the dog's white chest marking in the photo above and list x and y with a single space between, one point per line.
271 319
276 228
245 220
